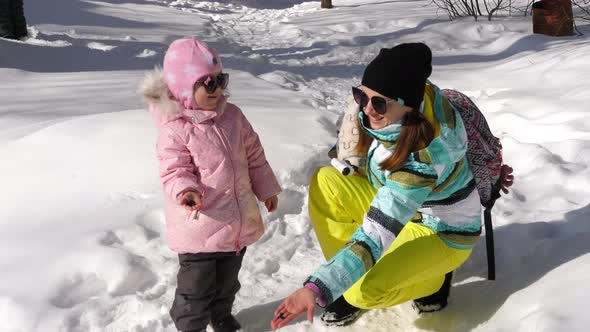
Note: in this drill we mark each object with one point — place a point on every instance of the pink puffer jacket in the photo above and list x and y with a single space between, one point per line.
218 154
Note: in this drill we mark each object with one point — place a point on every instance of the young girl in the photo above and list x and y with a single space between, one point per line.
213 169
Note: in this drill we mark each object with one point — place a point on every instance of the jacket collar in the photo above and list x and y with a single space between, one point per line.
199 115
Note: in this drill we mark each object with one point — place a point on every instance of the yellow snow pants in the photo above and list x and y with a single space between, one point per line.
413 266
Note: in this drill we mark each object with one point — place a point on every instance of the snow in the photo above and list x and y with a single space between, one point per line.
83 236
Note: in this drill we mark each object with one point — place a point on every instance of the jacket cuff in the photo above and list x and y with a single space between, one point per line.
316 290
264 183
193 189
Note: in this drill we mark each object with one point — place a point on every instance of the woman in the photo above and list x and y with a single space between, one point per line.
398 233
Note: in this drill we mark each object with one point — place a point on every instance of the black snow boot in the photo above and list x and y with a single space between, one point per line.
436 301
340 313
228 324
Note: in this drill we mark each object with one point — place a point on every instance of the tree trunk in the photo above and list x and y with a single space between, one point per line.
326 3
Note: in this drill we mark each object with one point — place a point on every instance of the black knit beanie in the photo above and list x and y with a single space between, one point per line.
400 72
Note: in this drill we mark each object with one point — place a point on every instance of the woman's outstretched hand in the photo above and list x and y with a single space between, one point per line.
302 300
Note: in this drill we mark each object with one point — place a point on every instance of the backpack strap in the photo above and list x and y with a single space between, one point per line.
487 222
487 217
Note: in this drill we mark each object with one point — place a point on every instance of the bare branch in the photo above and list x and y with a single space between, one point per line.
580 6
492 8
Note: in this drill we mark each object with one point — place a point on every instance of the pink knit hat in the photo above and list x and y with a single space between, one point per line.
186 61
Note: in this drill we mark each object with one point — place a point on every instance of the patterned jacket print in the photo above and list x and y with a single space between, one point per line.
435 188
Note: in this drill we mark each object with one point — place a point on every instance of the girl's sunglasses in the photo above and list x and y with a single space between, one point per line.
211 83
379 103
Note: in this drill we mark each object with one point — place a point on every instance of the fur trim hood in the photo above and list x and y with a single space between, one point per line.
154 89
162 104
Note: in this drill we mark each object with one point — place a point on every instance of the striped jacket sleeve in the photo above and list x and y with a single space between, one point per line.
393 206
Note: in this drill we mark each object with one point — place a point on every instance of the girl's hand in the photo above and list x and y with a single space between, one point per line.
506 178
191 201
302 300
272 203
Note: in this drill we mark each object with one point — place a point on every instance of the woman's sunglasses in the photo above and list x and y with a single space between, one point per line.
379 103
211 83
